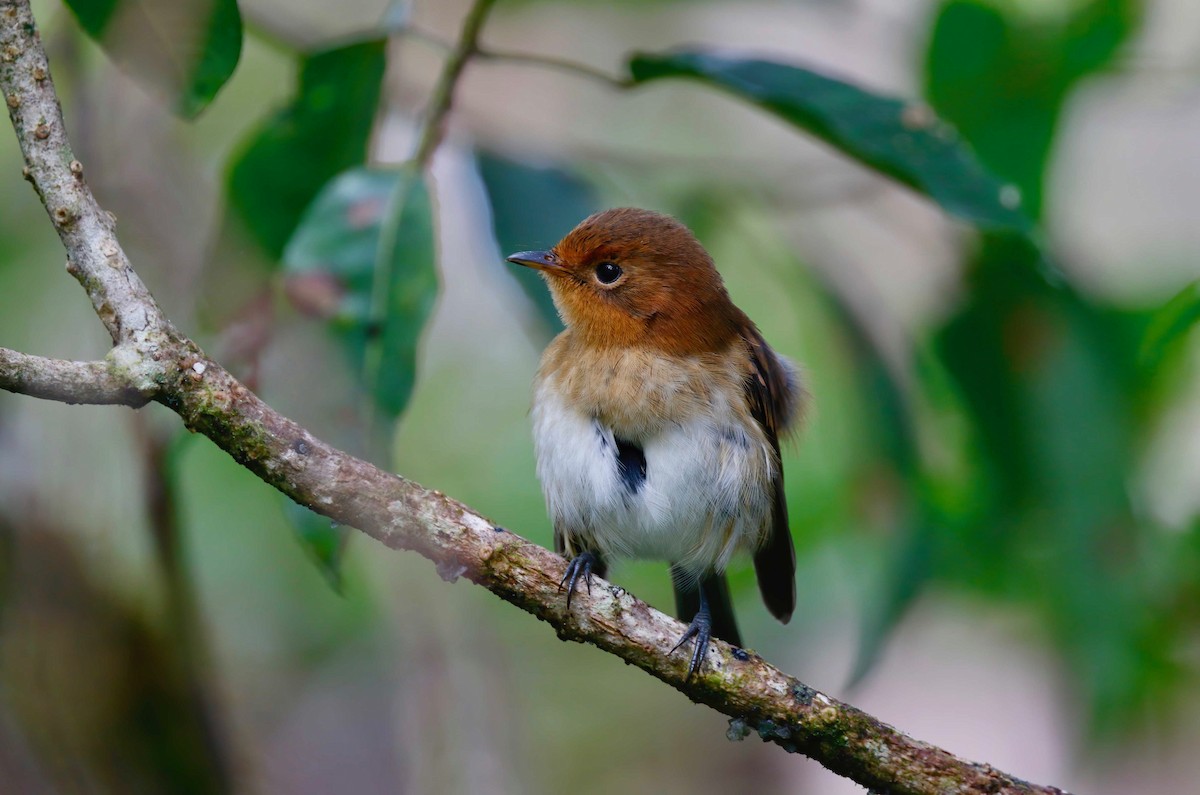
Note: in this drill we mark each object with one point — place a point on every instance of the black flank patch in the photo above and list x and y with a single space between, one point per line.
631 465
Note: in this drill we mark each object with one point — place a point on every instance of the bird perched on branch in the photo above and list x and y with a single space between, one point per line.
657 415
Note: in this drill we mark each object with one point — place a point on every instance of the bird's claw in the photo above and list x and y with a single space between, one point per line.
580 564
701 630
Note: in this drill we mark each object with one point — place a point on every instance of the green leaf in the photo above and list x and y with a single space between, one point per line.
902 139
1170 325
532 208
362 260
1001 73
322 540
322 131
94 15
907 570
184 50
922 461
1045 376
365 251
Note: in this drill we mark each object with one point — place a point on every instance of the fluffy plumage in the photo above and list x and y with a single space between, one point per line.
657 415
709 466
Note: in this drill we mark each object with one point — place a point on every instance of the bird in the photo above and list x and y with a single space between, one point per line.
657 418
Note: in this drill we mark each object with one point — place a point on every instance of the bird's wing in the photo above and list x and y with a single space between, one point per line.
772 394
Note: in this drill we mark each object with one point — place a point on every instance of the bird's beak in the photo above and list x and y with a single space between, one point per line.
545 261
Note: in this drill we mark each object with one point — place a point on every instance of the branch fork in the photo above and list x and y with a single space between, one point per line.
152 361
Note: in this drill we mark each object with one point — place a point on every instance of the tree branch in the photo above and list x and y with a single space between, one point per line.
94 256
155 361
443 92
99 383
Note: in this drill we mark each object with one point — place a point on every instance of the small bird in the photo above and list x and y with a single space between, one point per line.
657 415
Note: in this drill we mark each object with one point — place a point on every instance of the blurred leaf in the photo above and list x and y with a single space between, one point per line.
987 346
1170 325
889 403
368 238
921 479
889 397
907 569
1048 376
1001 76
1033 375
1050 398
1094 33
533 207
903 140
323 540
323 131
184 49
941 502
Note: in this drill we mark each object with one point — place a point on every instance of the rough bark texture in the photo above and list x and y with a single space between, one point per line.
68 382
152 361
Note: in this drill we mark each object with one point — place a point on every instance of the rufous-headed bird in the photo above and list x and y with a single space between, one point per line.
657 415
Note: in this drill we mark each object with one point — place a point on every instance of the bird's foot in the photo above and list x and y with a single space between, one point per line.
701 630
581 564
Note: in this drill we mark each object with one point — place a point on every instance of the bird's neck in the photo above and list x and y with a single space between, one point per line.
674 330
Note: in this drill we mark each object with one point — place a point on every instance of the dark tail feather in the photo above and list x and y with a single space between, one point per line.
775 563
720 606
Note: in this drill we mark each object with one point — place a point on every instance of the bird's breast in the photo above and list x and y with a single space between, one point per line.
637 392
652 457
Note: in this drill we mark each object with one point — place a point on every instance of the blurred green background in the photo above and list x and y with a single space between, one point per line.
995 501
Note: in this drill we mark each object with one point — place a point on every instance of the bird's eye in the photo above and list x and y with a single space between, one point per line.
608 272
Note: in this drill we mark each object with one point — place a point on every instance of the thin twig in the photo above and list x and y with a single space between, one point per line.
559 64
531 59
430 138
404 515
443 93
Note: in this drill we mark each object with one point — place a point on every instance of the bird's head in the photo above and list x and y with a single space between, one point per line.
635 277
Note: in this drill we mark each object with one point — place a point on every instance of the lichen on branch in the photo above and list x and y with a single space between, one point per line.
153 361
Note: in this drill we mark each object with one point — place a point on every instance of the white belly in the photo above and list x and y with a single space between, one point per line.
706 493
